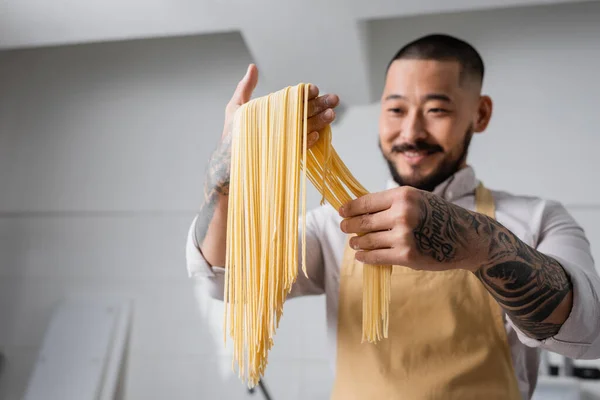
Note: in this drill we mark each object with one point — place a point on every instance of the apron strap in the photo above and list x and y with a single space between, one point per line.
484 201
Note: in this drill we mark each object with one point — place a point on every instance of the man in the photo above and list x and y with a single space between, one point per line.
481 279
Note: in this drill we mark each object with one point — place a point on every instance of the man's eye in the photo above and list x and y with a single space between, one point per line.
438 110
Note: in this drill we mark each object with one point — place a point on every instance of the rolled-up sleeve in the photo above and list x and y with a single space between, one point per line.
199 269
564 240
214 276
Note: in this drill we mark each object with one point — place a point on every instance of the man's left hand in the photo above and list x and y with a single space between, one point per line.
416 229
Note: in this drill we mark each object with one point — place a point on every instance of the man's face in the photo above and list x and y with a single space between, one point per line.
428 116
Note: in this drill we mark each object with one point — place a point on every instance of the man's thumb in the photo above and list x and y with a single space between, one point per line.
246 86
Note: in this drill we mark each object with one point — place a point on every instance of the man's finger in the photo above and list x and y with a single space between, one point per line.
322 103
366 223
367 204
313 91
372 241
321 120
377 257
312 139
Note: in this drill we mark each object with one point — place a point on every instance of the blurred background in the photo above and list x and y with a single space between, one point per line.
110 109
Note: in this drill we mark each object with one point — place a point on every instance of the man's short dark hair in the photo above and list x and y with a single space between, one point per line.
442 47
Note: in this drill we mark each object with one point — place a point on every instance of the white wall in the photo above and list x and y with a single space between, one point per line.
102 153
102 157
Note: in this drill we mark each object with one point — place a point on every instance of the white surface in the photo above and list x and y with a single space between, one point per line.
36 22
80 356
113 127
558 388
115 368
293 41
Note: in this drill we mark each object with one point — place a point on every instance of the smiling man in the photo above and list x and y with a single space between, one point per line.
481 280
440 113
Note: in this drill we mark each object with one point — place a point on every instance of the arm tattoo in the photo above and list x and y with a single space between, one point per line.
527 284
216 184
438 234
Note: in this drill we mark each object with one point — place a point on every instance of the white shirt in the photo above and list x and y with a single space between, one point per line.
542 224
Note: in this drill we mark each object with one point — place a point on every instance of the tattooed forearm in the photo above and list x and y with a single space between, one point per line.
444 229
216 185
527 284
432 236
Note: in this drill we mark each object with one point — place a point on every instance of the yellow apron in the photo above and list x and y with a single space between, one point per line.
446 337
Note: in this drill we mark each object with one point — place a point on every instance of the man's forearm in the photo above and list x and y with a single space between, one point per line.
532 288
211 223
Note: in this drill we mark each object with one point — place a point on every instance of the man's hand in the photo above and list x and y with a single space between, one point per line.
419 230
320 108
211 224
320 114
409 227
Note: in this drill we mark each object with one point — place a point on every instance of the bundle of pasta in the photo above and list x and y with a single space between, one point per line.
269 166
330 176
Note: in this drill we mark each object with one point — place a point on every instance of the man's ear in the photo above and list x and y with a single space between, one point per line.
484 114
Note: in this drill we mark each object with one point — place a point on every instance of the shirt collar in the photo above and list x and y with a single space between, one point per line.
462 183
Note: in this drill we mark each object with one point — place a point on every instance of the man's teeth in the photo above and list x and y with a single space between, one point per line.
414 153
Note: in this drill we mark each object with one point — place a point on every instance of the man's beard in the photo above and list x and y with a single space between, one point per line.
445 170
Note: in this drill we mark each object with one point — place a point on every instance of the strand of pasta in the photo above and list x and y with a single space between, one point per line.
270 164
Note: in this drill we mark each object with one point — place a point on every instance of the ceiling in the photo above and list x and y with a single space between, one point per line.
314 39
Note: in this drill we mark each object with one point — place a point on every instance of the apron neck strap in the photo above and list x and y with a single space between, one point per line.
484 201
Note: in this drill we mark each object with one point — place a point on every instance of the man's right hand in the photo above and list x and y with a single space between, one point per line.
320 108
211 224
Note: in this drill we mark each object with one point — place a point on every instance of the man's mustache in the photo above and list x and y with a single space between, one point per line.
418 146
